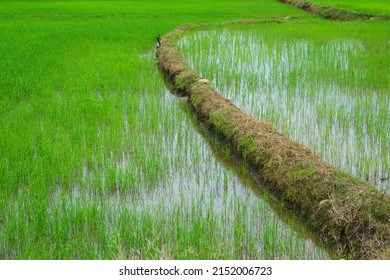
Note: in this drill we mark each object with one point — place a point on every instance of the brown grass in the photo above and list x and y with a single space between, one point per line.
349 215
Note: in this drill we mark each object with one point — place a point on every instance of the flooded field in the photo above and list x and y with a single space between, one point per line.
98 160
187 200
325 93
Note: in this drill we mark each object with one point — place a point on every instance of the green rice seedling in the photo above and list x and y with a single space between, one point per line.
208 215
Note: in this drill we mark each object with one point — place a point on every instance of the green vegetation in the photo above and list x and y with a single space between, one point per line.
162 12
376 7
333 12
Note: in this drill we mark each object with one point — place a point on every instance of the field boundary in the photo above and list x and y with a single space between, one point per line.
329 12
349 215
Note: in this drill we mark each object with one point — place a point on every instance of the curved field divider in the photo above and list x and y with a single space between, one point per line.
349 215
329 12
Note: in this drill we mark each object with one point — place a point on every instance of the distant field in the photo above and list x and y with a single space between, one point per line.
375 6
150 8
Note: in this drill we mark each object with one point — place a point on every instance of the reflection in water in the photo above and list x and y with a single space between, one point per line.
250 181
314 93
200 204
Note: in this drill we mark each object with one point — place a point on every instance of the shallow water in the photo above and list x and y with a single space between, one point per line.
201 197
311 92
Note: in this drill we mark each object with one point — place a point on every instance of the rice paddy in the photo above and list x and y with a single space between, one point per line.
330 93
98 160
150 207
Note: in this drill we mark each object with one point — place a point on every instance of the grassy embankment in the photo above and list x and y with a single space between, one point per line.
339 11
375 7
350 215
97 161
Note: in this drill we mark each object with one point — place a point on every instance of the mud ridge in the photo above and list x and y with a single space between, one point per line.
349 215
329 12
